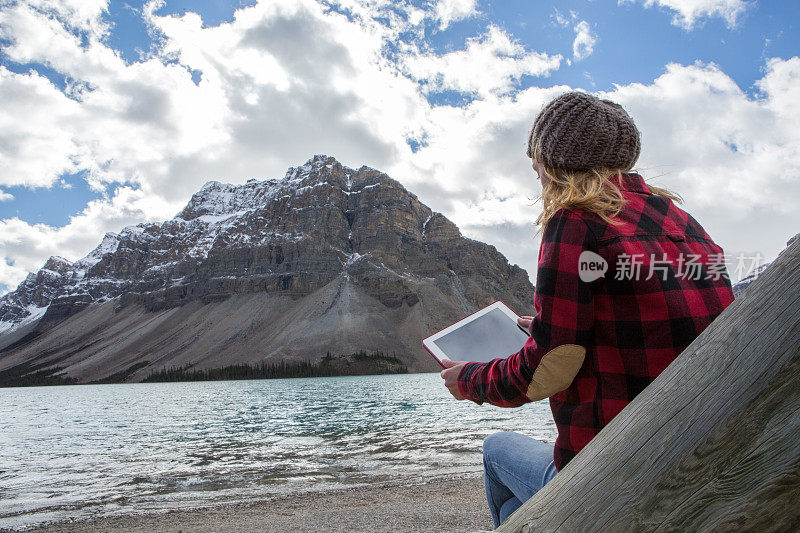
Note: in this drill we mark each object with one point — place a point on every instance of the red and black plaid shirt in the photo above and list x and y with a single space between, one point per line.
666 282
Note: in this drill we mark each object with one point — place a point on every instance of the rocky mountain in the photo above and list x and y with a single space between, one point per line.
326 259
741 286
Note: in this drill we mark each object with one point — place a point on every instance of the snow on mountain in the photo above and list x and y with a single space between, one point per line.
148 257
325 259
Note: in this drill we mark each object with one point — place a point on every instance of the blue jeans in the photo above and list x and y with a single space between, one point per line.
515 467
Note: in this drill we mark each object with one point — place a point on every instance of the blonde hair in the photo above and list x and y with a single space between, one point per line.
594 190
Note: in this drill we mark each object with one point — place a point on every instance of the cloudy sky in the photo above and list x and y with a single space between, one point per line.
114 113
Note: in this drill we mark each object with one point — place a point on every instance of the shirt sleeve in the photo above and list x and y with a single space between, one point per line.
561 329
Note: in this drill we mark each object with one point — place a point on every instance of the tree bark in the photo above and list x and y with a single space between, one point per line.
712 444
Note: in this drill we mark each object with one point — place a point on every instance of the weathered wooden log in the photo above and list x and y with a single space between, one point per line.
712 444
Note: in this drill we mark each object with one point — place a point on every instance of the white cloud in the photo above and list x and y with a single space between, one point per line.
585 39
560 19
81 15
34 131
490 64
687 13
5 196
449 11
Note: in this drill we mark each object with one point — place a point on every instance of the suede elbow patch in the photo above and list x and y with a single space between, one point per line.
556 371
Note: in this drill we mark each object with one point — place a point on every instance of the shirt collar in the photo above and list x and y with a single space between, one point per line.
632 182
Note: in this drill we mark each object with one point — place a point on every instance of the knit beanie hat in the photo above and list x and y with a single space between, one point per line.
578 131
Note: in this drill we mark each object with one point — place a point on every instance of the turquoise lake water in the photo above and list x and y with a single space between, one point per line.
98 450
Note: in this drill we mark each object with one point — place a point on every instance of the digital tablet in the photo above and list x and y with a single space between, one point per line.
484 335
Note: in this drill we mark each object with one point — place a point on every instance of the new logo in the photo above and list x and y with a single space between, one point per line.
591 266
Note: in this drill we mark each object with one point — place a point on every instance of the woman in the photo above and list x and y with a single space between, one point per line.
599 337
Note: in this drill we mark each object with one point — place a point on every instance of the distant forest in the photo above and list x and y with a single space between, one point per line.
27 375
359 363
344 365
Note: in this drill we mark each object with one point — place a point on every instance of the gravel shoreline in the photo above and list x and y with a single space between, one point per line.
439 505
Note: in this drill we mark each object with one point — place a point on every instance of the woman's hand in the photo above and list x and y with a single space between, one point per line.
452 369
450 376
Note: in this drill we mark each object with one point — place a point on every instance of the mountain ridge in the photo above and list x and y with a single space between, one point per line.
353 239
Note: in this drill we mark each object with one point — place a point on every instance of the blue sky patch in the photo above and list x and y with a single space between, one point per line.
52 206
56 78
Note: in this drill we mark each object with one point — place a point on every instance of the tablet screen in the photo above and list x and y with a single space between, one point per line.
483 338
